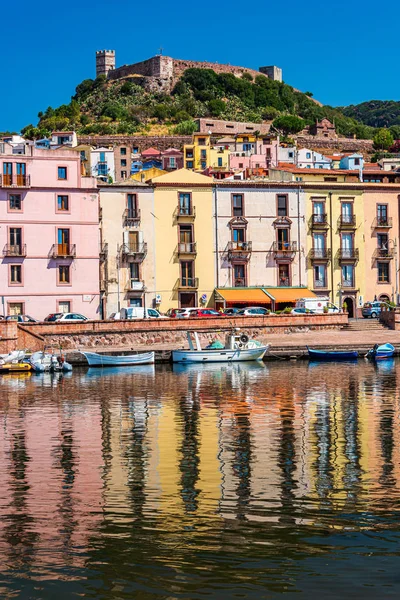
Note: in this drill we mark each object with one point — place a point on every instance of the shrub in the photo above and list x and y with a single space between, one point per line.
247 76
115 111
185 128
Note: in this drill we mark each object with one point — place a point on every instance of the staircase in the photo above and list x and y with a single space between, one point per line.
364 325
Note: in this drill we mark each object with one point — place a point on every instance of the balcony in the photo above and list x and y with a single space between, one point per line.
186 248
319 221
320 254
103 252
239 282
348 254
134 285
188 283
319 283
239 250
183 213
284 250
10 250
131 217
348 284
134 252
63 251
15 181
347 222
382 223
383 254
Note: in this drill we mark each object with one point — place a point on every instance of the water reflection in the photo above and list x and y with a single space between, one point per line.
200 480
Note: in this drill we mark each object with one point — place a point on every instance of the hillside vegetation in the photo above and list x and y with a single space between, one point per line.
124 107
376 113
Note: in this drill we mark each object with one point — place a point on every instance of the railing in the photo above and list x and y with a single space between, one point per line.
239 282
14 250
319 220
131 217
284 249
347 221
348 254
138 251
185 211
217 166
383 253
187 248
63 251
348 283
320 283
103 251
385 222
320 253
15 181
284 282
134 285
239 247
188 282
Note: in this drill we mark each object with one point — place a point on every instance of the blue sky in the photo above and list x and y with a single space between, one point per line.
344 52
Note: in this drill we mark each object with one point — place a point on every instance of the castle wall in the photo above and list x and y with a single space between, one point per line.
180 66
157 66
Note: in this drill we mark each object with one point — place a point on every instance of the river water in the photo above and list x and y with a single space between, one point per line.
237 481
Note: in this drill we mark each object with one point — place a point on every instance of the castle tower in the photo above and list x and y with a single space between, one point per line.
105 62
273 72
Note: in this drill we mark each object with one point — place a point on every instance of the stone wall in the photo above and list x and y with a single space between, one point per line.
157 66
141 333
338 145
180 66
139 141
8 336
391 319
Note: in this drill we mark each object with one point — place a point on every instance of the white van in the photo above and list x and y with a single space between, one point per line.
137 312
316 304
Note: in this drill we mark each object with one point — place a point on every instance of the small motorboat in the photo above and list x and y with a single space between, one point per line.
108 360
380 352
332 355
14 361
49 359
238 347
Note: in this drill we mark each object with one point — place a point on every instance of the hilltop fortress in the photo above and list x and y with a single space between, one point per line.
161 73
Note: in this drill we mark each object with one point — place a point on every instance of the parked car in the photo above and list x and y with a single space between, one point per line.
231 311
21 319
317 304
176 313
302 311
254 311
138 312
204 312
66 317
373 309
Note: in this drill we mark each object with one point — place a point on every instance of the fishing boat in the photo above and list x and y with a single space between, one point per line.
107 360
50 359
238 347
332 355
380 352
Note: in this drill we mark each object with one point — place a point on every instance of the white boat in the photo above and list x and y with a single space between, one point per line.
49 360
238 347
107 360
15 356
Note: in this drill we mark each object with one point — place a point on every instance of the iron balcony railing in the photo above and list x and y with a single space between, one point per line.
284 248
383 253
382 222
187 248
319 220
347 221
15 181
131 217
134 285
239 247
348 283
239 282
14 250
185 211
188 283
63 251
349 254
320 253
320 283
136 251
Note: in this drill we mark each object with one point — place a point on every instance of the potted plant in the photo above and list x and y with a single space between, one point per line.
325 310
344 307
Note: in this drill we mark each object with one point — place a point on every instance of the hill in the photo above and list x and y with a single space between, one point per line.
376 113
124 106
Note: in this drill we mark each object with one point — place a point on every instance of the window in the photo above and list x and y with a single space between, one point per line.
202 141
102 169
282 206
189 164
62 203
186 238
134 271
239 275
83 155
383 272
330 178
203 154
15 240
308 155
308 166
64 274
319 215
63 241
15 202
21 173
382 214
185 204
357 162
7 173
172 162
347 212
123 151
135 150
283 239
203 164
62 172
238 237
290 154
15 274
283 275
240 165
123 162
15 308
123 174
382 241
64 306
219 161
348 276
319 276
237 205
187 273
102 157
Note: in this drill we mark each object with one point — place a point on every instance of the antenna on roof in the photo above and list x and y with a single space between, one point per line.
160 50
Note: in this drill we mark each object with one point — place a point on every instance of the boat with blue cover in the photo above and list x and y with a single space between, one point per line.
332 355
380 352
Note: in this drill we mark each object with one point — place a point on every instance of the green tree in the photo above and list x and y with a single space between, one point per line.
216 107
288 124
247 76
383 139
185 128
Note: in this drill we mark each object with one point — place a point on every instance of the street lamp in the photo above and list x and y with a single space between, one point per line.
339 287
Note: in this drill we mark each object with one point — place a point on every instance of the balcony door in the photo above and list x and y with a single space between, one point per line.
133 241
63 238
347 212
239 275
347 245
7 173
21 173
238 238
283 275
184 204
132 206
319 245
319 276
318 212
185 238
187 273
348 276
283 239
382 214
15 240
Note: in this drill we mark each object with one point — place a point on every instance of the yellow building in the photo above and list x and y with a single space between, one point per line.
196 156
335 243
184 239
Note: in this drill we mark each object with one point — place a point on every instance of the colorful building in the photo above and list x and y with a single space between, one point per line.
184 239
49 234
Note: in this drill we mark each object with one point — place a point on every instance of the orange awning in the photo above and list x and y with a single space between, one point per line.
244 295
289 294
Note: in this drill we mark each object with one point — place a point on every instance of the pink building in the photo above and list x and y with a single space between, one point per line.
252 154
49 233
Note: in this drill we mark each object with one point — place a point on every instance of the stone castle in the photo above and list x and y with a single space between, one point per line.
161 73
